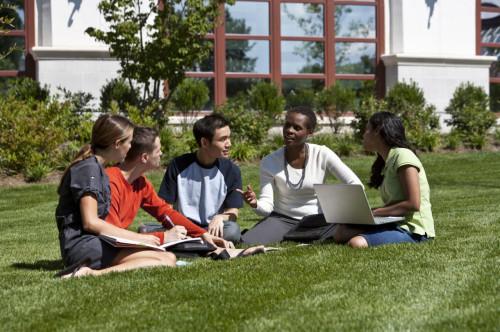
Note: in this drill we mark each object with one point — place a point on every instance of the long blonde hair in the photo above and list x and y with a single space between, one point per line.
106 131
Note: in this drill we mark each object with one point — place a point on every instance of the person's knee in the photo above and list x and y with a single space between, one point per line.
232 231
167 259
358 242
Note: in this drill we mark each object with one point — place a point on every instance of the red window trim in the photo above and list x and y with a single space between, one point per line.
479 44
29 41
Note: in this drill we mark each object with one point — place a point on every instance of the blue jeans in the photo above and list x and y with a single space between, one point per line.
391 234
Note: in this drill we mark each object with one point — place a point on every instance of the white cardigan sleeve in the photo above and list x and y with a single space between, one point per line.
265 203
337 167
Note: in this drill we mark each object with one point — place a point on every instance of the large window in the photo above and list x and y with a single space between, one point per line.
298 45
15 39
488 43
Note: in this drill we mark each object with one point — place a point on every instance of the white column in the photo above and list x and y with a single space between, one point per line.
433 43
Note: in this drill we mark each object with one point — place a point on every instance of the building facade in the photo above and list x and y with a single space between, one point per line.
297 44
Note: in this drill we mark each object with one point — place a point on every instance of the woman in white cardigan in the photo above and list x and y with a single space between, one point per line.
287 178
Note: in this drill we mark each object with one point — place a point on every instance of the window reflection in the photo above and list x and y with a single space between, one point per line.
490 3
209 82
14 47
355 21
236 86
495 66
248 18
249 56
301 19
301 57
16 11
206 65
490 27
361 88
301 92
355 58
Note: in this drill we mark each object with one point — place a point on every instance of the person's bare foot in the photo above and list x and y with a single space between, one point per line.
79 272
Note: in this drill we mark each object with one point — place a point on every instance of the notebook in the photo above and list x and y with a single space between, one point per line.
347 204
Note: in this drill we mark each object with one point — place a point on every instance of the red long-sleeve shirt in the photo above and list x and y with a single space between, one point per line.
127 198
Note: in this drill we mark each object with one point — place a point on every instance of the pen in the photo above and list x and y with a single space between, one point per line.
167 220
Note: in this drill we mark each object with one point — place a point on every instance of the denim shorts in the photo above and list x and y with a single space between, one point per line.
391 234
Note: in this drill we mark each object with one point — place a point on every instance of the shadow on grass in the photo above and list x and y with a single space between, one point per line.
49 265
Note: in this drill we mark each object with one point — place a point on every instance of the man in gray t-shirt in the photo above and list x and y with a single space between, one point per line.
202 185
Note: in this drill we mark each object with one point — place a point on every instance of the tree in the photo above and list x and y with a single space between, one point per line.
156 42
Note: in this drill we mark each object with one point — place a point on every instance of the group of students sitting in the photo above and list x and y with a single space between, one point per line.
205 187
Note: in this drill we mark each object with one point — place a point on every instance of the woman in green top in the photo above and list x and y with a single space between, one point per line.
400 177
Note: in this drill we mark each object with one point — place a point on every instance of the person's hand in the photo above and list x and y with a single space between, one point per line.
217 241
175 233
249 196
216 226
149 239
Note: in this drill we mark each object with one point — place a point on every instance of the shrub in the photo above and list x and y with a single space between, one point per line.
189 97
79 102
175 144
251 118
303 97
273 143
119 91
243 151
470 115
24 88
451 141
31 134
343 145
265 98
246 124
333 102
421 123
362 114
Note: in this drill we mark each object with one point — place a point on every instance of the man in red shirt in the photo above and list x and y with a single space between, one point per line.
130 190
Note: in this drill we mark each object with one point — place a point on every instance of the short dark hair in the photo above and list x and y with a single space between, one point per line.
142 142
308 112
206 127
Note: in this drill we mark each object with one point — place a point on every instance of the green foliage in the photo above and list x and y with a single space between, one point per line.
189 97
244 124
470 115
243 151
252 117
175 143
24 88
343 145
368 106
156 43
273 143
301 97
451 141
154 114
32 133
333 102
119 91
265 98
420 120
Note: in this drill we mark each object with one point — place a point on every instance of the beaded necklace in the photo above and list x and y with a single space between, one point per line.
299 184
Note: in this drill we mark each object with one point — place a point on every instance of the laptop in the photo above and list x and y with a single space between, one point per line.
347 204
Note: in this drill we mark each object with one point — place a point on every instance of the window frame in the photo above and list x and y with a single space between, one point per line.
329 76
479 43
28 33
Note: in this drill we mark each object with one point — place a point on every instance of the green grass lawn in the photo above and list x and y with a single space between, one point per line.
451 283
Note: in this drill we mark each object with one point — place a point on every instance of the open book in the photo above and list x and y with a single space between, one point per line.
126 243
